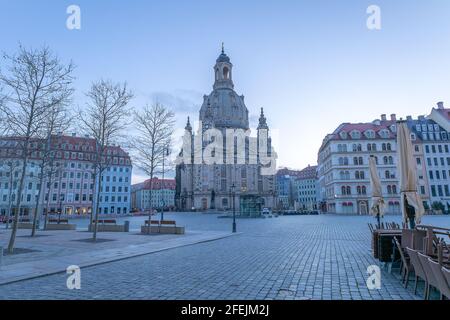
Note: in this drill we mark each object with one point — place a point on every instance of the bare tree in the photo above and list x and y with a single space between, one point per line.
57 122
104 118
155 126
9 168
35 81
52 170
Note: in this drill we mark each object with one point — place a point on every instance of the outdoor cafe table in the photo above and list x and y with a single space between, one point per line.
383 244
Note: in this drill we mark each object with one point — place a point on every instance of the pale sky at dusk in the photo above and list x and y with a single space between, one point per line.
310 64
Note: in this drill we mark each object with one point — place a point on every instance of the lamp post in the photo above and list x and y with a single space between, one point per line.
165 153
233 187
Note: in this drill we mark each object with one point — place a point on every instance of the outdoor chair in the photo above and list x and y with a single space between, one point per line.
405 266
446 273
407 239
431 279
418 270
442 284
419 237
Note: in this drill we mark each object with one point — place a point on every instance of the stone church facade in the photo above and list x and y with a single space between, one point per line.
202 185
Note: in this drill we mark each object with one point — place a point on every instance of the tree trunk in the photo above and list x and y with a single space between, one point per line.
97 204
48 200
38 202
151 208
9 199
12 240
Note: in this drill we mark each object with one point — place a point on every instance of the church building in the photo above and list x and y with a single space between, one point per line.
214 186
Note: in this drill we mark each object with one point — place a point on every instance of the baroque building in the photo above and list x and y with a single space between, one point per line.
240 165
162 194
343 163
72 189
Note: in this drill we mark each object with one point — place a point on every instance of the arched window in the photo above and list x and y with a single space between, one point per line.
358 189
385 160
388 147
226 73
360 161
363 190
391 160
369 147
389 189
349 190
343 190
383 147
387 174
374 147
394 189
359 147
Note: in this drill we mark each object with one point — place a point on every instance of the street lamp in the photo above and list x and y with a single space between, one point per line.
233 187
165 153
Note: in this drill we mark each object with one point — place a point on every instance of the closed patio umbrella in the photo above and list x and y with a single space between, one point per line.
410 201
378 205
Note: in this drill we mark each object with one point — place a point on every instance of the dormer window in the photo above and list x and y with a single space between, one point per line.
343 135
393 128
355 134
384 134
370 134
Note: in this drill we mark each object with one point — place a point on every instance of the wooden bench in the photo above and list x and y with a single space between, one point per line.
106 221
169 223
60 221
163 227
152 222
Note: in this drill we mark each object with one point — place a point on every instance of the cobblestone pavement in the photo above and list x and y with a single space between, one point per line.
296 257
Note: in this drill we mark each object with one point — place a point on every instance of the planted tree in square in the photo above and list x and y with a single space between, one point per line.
35 81
155 126
105 119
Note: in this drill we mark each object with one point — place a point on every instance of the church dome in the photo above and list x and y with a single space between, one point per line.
223 58
224 108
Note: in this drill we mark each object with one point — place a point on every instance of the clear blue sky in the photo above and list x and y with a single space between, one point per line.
310 64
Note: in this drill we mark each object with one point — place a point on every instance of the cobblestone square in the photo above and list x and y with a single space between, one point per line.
289 257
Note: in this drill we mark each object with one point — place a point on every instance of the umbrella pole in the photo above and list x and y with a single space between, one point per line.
411 214
378 217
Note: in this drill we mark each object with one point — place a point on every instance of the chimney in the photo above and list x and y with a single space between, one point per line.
422 118
408 118
440 105
74 134
383 117
393 117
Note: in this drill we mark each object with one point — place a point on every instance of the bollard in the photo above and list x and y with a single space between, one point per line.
127 226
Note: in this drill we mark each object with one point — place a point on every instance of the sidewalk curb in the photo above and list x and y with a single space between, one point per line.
36 273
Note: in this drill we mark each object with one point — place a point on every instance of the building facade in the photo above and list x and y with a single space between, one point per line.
233 180
286 188
343 171
162 194
307 189
71 189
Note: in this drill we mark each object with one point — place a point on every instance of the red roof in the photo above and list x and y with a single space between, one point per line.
310 172
445 113
156 184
